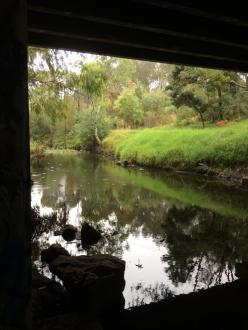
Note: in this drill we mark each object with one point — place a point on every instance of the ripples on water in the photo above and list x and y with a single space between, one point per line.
177 234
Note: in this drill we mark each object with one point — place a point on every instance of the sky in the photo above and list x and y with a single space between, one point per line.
74 57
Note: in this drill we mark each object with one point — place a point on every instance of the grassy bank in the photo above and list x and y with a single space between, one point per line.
186 147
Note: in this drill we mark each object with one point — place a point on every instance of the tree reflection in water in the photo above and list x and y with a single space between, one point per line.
203 246
198 230
145 293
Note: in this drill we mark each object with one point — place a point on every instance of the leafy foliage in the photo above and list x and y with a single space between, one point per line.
84 129
92 80
72 109
129 107
41 224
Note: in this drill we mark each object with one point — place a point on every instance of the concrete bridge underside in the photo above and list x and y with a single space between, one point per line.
165 31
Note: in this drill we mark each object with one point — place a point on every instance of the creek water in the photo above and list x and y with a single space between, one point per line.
176 233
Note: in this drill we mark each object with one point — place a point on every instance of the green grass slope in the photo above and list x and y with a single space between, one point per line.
185 147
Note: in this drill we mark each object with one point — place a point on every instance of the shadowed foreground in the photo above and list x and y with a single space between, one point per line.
221 307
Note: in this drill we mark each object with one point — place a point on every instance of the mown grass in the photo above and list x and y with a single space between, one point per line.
217 146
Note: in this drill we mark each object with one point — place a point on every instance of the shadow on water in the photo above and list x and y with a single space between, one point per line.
176 233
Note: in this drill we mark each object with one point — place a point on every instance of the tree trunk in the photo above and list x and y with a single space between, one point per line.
220 103
202 119
98 141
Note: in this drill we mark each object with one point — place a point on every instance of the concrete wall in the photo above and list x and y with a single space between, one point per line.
14 168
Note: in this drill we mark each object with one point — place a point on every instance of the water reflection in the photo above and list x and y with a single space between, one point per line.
176 234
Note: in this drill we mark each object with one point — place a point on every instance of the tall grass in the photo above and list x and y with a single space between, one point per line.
218 146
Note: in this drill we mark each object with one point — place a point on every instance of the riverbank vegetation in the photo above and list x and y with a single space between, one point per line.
150 113
184 147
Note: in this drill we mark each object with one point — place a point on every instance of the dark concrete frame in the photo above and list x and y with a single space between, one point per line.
15 260
204 35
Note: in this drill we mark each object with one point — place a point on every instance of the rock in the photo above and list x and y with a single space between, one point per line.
57 232
201 168
212 172
241 270
38 280
119 163
69 233
69 321
95 282
89 235
123 163
244 182
168 168
53 252
49 298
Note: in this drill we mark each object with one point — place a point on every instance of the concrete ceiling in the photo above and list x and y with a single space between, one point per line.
193 32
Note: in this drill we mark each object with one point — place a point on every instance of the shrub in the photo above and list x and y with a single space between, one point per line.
37 151
41 223
85 128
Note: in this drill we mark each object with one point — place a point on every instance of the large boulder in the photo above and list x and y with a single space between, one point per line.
69 321
55 250
49 298
89 235
95 282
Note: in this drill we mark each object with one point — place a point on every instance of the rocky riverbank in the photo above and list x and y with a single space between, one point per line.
92 286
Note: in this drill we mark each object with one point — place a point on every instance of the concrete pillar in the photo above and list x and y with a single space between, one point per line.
14 168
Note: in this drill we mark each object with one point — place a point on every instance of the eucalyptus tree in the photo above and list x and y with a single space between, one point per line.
205 90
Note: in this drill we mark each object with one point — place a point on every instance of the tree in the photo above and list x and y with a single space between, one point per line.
63 126
213 85
92 81
154 103
130 108
41 128
46 81
194 101
83 132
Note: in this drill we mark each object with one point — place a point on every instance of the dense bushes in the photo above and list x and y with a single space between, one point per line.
89 123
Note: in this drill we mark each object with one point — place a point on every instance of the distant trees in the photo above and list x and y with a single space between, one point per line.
76 108
91 81
89 122
57 95
129 108
154 103
206 91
